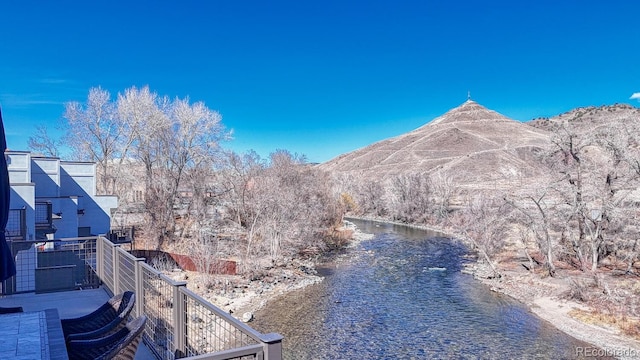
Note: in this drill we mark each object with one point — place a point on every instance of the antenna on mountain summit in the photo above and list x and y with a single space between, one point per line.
468 95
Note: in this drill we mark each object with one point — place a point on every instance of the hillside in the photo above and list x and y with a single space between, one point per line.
471 144
586 119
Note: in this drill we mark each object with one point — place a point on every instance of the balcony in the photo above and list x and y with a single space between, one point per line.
16 225
44 220
180 323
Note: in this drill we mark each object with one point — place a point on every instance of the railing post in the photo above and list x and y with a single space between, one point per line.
139 287
179 319
272 346
116 270
100 257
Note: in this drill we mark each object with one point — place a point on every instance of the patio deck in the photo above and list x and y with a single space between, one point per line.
69 304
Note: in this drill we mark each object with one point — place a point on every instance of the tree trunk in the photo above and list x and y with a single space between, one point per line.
550 266
594 257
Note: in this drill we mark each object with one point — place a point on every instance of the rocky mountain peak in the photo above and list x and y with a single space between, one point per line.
468 111
470 143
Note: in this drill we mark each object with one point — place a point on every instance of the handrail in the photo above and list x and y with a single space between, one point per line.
84 238
230 354
76 238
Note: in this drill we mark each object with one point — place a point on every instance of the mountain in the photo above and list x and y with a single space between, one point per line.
472 145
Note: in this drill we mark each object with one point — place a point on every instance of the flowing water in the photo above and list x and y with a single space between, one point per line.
401 295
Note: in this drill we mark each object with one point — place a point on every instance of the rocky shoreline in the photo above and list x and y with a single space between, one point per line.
243 297
546 299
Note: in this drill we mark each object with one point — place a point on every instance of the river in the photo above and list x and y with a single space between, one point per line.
401 295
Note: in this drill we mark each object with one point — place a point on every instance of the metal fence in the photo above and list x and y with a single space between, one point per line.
53 265
180 323
16 225
43 214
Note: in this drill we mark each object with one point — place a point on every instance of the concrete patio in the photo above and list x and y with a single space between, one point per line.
70 304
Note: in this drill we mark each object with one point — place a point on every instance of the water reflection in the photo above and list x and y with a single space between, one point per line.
401 296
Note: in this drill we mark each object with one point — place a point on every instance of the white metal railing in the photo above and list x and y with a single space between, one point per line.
180 323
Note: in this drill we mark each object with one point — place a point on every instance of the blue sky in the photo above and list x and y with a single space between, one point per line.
319 78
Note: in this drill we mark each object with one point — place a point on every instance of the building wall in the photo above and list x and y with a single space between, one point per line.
67 208
46 173
80 178
22 189
19 165
69 186
77 178
104 204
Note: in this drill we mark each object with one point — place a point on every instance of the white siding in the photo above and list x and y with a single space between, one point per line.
77 178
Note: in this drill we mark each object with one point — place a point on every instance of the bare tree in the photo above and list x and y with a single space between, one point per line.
613 223
370 195
536 218
289 209
411 197
524 237
484 223
94 132
170 138
43 143
574 157
444 190
206 252
199 199
239 172
597 171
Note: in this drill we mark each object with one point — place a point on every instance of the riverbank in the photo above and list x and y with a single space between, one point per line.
243 297
548 299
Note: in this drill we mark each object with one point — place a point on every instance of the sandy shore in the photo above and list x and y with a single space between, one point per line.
556 312
544 298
